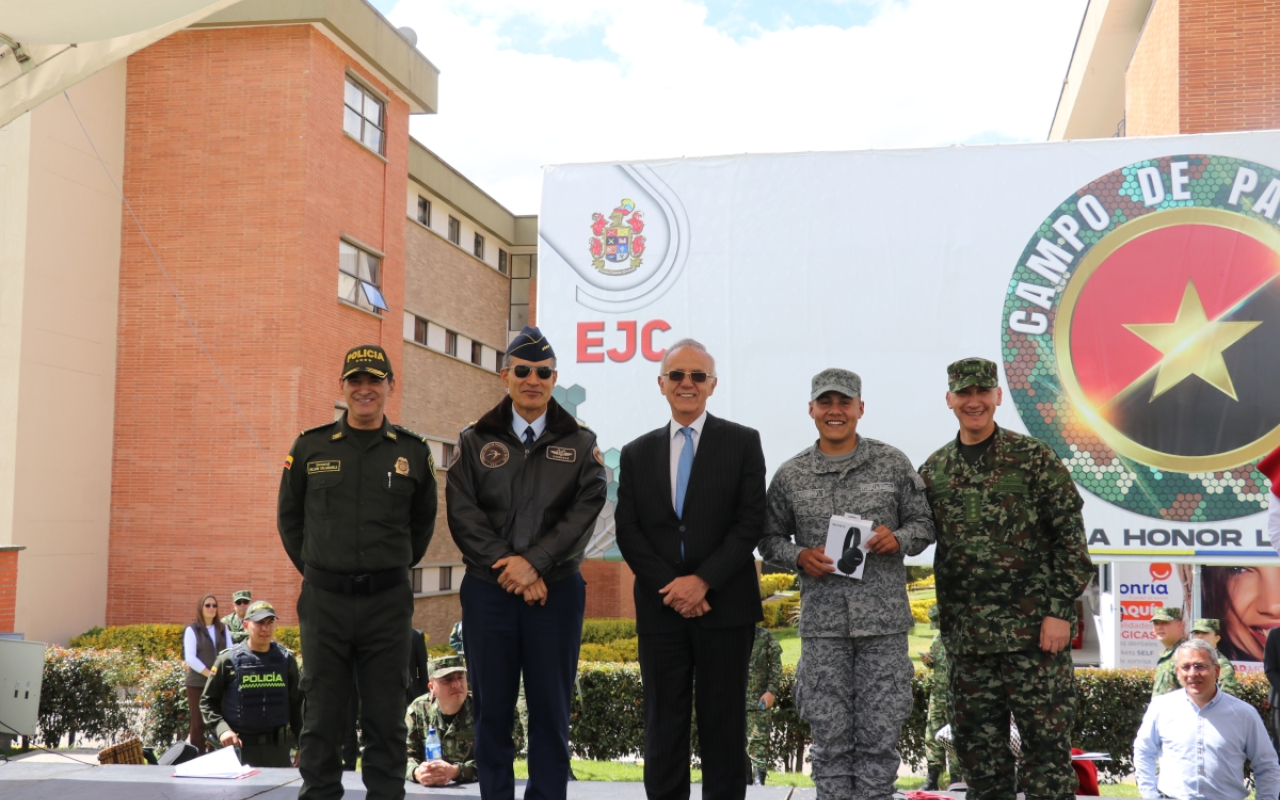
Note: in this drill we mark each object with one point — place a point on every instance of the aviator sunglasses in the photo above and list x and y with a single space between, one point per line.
677 375
522 371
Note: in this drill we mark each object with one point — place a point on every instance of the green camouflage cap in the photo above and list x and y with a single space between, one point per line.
972 372
367 358
243 594
1167 614
445 665
260 611
836 380
1206 626
933 616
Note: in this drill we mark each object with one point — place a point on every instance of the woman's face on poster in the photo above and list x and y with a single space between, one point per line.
1253 607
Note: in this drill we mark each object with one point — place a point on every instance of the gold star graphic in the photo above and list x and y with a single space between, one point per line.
1192 345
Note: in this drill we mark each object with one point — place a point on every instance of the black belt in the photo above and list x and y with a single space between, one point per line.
275 737
368 583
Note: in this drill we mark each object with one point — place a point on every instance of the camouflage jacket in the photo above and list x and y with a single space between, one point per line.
1166 678
1227 680
765 669
938 653
1011 548
457 736
876 483
236 626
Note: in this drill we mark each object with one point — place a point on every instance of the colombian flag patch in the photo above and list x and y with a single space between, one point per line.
288 462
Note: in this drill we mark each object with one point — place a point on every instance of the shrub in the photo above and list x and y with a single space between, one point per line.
591 651
778 613
78 695
291 637
164 703
609 722
146 641
920 609
438 650
602 630
927 582
772 584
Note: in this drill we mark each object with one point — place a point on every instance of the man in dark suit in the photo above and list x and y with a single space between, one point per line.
691 503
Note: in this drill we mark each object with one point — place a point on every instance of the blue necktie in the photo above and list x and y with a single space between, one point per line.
528 438
683 468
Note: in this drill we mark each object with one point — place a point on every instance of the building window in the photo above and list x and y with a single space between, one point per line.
502 261
448 451
455 231
362 116
359 278
419 330
415 580
424 211
446 578
523 269
477 350
451 343
479 246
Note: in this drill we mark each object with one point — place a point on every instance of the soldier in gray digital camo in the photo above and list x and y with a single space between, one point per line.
856 680
764 671
1010 564
935 753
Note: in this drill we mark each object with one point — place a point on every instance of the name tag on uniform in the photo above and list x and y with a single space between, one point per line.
566 454
808 494
1012 484
323 466
875 487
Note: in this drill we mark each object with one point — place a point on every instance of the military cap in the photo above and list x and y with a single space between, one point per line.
972 372
260 611
530 345
1167 614
368 358
243 594
835 380
1206 626
445 665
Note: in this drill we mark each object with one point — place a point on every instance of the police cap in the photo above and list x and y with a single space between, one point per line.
368 358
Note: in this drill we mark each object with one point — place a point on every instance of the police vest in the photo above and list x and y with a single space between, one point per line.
259 699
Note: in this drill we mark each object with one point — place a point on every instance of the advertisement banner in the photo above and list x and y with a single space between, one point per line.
1129 289
1246 602
1143 588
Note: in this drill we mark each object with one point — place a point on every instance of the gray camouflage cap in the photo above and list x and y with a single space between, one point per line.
972 372
445 665
836 380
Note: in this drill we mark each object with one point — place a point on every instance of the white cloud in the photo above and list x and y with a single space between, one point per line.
919 73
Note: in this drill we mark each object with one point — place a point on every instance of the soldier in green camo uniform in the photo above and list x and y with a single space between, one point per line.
447 708
1010 564
1209 630
1168 626
935 753
763 673
235 620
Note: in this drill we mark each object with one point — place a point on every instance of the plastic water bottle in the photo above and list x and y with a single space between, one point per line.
432 746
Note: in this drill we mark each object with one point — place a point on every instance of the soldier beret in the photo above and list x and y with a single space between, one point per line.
445 665
1167 614
972 372
530 345
1206 626
368 358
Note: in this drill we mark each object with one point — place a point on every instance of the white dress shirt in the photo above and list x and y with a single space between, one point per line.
1201 751
518 424
189 646
677 447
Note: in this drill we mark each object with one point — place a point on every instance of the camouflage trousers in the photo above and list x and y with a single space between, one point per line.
759 726
1038 689
856 696
935 753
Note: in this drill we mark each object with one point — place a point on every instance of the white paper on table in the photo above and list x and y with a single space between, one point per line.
846 535
218 764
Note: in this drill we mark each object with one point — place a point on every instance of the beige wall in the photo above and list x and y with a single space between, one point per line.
1151 81
58 340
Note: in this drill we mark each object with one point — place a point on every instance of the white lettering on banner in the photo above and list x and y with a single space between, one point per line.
1095 216
1267 204
1136 644
1152 186
1246 181
1031 323
1040 295
1051 262
1178 180
1068 227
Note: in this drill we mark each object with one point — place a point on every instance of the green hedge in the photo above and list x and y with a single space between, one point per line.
779 613
603 630
78 695
148 641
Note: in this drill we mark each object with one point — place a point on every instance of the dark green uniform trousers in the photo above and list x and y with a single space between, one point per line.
265 749
370 632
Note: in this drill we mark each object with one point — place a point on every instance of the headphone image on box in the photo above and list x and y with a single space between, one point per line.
852 556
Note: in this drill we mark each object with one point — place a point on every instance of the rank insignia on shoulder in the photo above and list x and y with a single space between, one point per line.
414 434
336 436
316 428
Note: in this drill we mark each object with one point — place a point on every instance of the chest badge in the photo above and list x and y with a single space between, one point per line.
402 466
494 455
566 454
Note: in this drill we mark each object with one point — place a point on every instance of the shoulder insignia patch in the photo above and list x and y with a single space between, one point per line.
337 435
317 428
288 462
595 453
391 435
494 455
431 463
414 434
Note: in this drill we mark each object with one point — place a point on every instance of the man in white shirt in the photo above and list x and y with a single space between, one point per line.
1200 737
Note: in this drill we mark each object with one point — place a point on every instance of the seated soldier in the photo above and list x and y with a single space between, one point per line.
253 696
447 708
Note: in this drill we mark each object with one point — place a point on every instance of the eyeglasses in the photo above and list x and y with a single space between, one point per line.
242 602
522 371
677 375
1194 667
210 605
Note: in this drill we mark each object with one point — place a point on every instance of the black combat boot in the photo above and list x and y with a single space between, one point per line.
931 782
759 777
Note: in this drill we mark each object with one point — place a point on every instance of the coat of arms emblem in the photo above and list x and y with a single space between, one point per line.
616 239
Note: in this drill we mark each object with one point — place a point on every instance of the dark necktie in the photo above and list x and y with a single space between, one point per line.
528 438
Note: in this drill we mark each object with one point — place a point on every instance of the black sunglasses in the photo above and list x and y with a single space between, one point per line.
242 602
677 375
210 605
522 371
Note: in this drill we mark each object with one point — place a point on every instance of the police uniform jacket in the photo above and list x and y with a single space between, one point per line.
1011 547
541 505
214 705
350 508
877 483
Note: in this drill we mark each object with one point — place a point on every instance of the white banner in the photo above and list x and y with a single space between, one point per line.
1143 588
1128 288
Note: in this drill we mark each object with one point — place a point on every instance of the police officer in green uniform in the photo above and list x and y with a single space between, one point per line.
235 620
447 708
357 509
1170 630
254 697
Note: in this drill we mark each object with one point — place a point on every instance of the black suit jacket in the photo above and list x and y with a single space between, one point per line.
723 521
418 670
